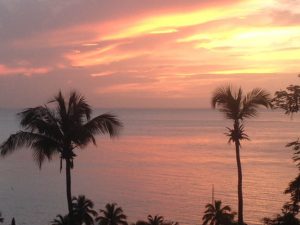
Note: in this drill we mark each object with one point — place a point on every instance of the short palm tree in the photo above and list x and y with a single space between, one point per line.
83 210
112 215
61 220
215 214
60 127
156 220
237 107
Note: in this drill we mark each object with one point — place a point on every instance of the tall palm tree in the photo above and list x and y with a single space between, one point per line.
156 220
215 214
60 127
112 215
61 220
237 107
83 210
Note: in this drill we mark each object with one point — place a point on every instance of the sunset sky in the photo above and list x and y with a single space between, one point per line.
145 53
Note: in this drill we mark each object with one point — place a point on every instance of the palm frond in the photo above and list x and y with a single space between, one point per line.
61 108
42 145
61 220
42 120
105 123
253 100
78 108
227 101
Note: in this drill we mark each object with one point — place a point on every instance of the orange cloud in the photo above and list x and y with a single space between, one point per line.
4 70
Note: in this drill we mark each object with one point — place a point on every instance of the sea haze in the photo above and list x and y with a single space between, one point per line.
164 162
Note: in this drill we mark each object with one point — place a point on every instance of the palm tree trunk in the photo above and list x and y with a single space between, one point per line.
240 184
68 185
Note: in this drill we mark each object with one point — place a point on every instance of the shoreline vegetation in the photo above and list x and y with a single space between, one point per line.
64 125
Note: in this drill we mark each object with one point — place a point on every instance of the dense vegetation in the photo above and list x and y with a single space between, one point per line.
62 126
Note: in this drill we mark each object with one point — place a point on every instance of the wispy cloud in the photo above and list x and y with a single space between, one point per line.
158 49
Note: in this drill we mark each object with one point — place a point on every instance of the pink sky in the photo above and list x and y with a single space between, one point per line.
145 53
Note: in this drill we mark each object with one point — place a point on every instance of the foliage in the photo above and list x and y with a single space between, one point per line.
235 135
112 215
83 210
156 220
236 106
287 217
215 214
294 190
61 220
288 100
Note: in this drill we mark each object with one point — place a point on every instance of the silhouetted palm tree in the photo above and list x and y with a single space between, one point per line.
238 107
83 210
61 220
218 215
156 220
60 130
112 215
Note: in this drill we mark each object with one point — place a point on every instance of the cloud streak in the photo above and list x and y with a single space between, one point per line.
156 49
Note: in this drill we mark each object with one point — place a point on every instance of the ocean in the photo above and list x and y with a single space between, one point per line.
164 162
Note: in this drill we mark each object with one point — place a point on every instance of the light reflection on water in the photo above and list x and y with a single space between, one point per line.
164 162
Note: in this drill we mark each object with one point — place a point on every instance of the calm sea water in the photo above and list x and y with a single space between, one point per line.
165 162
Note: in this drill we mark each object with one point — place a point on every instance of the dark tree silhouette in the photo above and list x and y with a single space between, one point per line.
1 218
287 217
112 215
289 101
13 222
83 210
61 220
215 214
59 128
156 220
237 107
294 190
